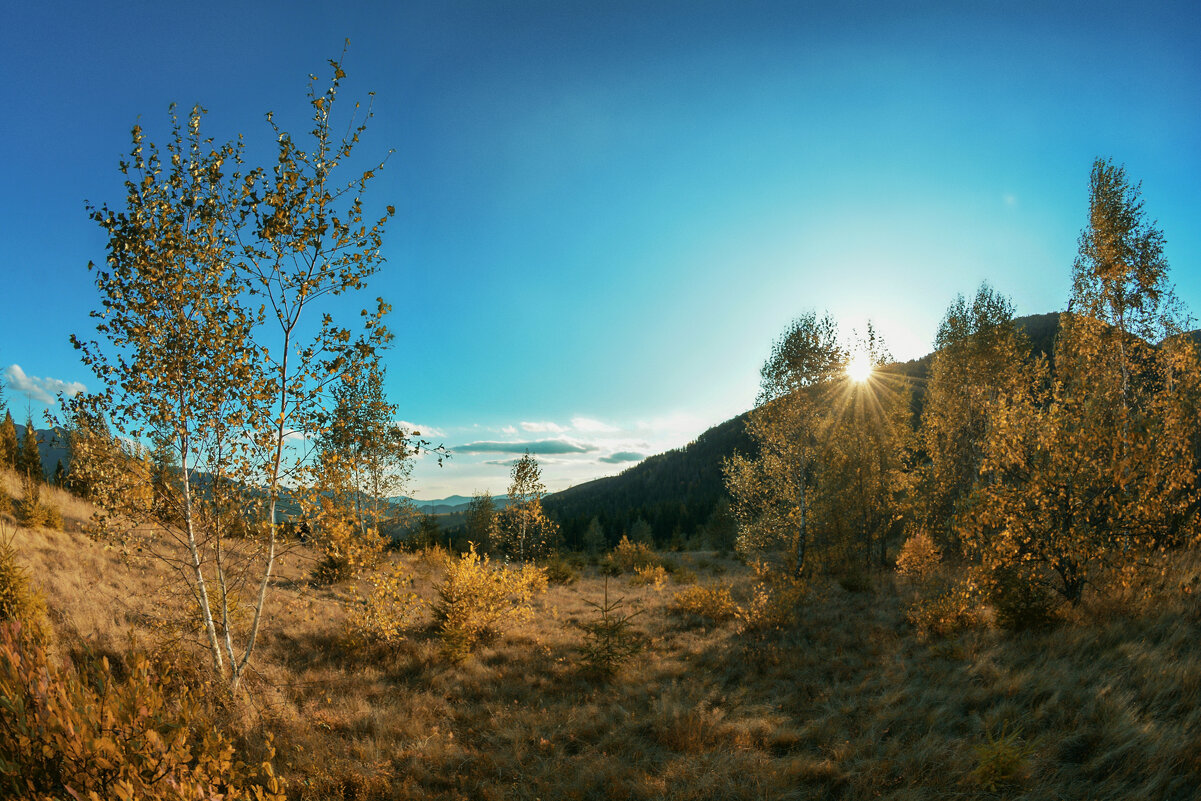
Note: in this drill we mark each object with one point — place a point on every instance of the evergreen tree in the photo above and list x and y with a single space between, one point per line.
8 442
594 537
481 521
29 459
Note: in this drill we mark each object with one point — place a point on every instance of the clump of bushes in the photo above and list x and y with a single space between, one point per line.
477 599
655 575
388 610
144 737
949 612
713 604
627 557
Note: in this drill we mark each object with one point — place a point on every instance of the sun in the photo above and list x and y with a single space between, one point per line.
859 368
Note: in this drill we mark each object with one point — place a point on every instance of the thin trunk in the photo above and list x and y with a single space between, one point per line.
273 490
194 551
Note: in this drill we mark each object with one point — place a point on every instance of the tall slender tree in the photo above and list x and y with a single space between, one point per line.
215 345
775 493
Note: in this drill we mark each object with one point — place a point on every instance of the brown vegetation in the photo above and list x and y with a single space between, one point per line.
848 701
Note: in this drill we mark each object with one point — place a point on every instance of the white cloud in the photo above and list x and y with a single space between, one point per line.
426 431
42 390
592 426
549 428
510 430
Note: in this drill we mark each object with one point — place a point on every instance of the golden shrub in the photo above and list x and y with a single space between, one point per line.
388 610
655 576
627 557
478 599
143 737
714 604
919 558
949 612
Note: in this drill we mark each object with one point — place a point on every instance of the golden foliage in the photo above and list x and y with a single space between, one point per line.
713 604
477 599
919 558
655 576
628 557
66 734
387 612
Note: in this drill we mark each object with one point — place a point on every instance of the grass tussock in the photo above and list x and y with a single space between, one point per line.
816 692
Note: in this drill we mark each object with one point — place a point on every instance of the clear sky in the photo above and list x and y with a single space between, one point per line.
607 210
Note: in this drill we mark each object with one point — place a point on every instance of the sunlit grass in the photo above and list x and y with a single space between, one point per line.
847 703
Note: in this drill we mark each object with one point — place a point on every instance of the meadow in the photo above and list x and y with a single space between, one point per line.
845 700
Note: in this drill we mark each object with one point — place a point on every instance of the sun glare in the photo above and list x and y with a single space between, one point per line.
859 368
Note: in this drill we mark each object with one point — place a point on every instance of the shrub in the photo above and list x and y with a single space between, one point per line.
387 612
31 512
627 557
18 600
655 576
609 640
713 604
346 549
948 613
476 600
140 738
560 571
1020 602
683 575
919 559
1001 760
774 604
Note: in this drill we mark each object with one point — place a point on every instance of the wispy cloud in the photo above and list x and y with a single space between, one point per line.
544 428
592 426
621 457
533 446
42 390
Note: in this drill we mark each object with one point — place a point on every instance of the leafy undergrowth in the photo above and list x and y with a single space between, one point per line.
849 702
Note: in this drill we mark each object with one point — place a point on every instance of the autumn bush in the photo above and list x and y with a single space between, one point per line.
19 600
711 604
140 738
919 559
949 612
774 604
655 576
387 611
477 599
627 557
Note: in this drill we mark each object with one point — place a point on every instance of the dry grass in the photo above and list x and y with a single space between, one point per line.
848 703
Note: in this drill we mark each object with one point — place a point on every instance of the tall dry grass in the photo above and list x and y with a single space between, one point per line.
849 702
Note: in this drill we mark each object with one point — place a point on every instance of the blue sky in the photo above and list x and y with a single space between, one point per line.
606 211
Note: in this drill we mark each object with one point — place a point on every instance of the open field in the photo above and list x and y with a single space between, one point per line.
848 703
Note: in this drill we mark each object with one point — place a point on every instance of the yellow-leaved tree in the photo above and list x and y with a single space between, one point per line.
215 348
1096 467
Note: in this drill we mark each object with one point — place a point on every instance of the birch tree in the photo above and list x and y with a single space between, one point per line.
217 345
